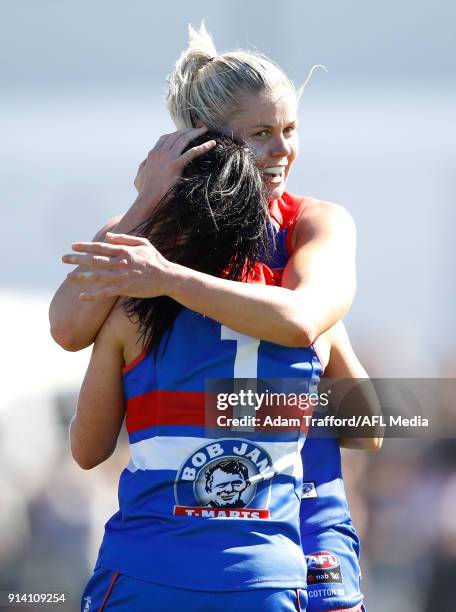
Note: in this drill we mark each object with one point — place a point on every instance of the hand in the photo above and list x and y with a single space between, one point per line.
165 162
126 265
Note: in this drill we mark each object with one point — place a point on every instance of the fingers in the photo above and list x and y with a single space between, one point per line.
160 142
170 140
165 162
180 139
189 155
126 239
99 294
98 276
99 248
103 254
167 142
97 261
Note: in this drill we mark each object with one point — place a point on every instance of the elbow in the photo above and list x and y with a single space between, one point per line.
87 461
365 444
81 456
302 335
371 444
64 332
375 444
64 338
86 454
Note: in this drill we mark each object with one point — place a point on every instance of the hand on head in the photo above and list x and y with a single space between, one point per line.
164 163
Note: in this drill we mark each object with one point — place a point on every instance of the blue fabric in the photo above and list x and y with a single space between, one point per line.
322 475
130 594
170 521
333 573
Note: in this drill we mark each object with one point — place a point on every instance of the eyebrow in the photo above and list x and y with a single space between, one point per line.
264 125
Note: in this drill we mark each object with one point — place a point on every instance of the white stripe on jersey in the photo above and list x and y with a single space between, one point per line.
170 452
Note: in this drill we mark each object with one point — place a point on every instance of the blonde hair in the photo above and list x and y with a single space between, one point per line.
208 87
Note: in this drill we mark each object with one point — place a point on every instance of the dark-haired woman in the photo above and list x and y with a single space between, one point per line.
206 522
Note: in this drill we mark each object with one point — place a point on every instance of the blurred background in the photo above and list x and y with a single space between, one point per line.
82 100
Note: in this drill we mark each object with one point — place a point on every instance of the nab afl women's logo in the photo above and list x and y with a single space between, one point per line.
322 560
228 478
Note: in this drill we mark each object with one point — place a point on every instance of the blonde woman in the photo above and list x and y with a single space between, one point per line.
291 301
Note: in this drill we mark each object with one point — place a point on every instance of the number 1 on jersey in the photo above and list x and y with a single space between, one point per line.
246 359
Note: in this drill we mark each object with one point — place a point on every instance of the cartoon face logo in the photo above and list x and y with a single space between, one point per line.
226 482
224 475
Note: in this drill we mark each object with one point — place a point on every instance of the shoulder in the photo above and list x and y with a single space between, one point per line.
320 217
107 227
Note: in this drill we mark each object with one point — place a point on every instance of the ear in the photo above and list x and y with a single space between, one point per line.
199 124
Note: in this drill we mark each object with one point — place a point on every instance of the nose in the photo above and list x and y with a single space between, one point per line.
280 147
228 488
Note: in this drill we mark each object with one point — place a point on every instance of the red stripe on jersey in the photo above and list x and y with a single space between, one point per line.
199 409
165 408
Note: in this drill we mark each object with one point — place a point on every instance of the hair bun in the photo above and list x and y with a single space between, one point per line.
201 41
213 96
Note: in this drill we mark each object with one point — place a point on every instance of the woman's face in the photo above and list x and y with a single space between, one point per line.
269 125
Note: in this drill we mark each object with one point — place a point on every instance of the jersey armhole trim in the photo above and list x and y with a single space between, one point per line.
292 224
132 364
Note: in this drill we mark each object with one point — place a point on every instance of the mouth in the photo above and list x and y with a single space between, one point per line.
273 174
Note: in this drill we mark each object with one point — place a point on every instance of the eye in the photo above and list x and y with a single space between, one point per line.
261 133
290 129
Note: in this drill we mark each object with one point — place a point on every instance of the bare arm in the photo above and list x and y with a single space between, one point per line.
317 287
318 281
351 389
74 324
101 408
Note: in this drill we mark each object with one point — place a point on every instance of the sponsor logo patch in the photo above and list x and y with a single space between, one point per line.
323 567
309 490
228 478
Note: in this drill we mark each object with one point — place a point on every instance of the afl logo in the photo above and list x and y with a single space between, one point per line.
229 478
323 560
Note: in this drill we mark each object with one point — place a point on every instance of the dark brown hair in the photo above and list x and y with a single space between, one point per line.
215 220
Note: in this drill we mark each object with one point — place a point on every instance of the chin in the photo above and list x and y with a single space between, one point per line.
273 193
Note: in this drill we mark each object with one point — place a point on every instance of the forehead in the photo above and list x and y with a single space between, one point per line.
275 107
